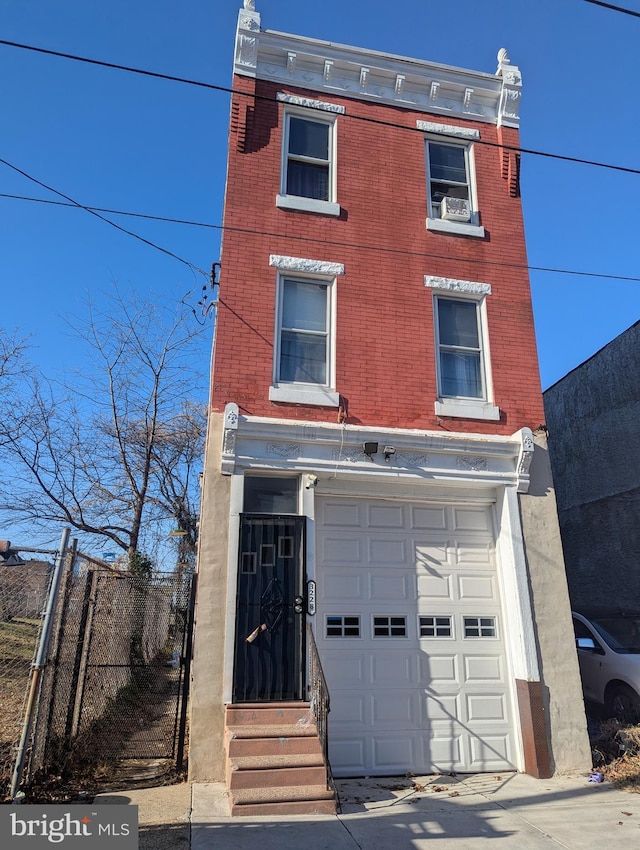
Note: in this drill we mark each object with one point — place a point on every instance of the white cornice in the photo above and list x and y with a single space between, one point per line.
332 450
370 75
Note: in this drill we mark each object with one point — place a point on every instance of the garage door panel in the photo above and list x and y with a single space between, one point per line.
438 670
392 669
389 585
340 586
469 518
432 517
351 710
490 752
431 557
341 513
471 587
342 550
478 554
344 670
483 707
391 753
385 516
441 751
439 707
387 551
483 668
395 710
349 756
435 586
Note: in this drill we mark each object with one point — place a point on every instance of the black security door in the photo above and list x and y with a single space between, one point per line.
269 656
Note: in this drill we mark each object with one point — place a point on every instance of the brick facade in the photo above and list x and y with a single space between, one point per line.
385 350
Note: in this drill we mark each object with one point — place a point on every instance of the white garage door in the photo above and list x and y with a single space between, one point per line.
410 635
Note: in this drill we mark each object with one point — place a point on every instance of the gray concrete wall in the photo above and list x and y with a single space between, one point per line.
565 716
206 731
593 417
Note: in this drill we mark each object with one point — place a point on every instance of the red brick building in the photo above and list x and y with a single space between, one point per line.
374 398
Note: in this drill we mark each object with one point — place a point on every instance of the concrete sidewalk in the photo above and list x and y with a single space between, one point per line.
390 814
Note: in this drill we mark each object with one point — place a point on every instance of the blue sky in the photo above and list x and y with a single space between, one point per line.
111 139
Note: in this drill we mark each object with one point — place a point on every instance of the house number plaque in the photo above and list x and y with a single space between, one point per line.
311 597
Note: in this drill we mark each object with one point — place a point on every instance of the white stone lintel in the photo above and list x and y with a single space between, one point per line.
298 264
309 103
448 130
452 285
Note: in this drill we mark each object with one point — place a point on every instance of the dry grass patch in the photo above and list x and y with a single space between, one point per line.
616 751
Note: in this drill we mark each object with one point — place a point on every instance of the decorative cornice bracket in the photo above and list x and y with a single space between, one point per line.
525 457
247 38
229 439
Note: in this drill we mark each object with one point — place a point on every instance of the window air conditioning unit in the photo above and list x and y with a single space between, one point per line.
455 209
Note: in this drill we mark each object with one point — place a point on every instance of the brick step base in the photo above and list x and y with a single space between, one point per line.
275 763
283 800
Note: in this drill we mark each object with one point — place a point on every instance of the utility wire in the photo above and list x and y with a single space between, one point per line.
622 9
335 243
368 120
94 211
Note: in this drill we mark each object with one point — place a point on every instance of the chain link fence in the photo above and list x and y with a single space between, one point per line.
114 682
23 595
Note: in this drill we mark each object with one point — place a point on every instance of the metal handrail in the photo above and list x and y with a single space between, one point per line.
319 699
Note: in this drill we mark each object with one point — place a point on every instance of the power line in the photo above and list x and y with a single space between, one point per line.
93 211
255 96
622 9
334 243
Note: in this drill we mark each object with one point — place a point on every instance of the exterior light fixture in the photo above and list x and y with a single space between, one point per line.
389 451
370 449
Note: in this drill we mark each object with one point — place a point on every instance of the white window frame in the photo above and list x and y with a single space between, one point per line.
465 407
453 137
298 202
295 392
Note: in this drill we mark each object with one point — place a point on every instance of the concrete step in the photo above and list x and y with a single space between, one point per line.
278 777
275 747
271 760
314 799
296 730
269 714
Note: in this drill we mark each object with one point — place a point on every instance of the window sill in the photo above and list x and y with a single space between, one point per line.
467 409
293 202
460 228
315 397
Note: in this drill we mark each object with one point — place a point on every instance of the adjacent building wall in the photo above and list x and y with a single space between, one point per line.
560 675
206 750
593 416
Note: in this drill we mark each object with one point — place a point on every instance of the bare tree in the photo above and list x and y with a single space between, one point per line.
13 368
113 453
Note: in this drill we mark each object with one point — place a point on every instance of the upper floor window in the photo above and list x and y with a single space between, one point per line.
451 191
308 180
460 354
449 194
462 348
304 333
303 371
308 171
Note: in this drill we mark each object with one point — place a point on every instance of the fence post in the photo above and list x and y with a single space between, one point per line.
40 662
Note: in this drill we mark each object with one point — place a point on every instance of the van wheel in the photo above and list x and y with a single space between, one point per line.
623 703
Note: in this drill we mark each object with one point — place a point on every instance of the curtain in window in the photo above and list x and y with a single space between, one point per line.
308 181
460 375
303 358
